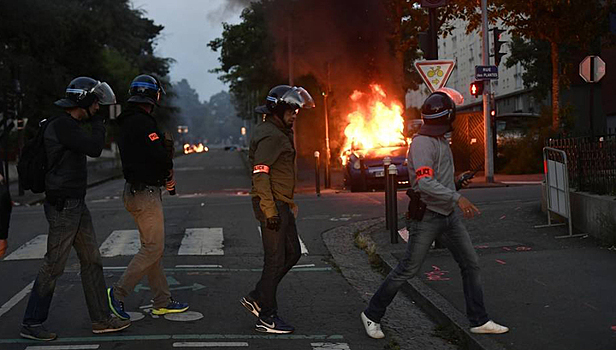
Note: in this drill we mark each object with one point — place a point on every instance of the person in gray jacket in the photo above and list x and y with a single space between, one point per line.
432 214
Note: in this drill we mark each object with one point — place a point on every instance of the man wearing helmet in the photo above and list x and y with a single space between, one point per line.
432 174
147 165
70 222
272 156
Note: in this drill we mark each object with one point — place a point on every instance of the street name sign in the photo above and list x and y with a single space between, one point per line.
592 69
486 72
435 73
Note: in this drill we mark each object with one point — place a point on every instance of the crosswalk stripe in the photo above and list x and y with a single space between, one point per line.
330 346
202 241
34 249
301 243
121 242
209 344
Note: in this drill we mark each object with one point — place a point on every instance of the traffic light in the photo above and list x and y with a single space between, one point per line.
497 45
476 88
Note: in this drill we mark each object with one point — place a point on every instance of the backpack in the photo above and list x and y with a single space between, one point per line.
32 167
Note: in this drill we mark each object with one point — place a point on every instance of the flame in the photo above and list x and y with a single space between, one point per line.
374 123
188 148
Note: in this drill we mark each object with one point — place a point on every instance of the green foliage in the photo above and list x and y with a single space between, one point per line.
524 155
534 56
45 44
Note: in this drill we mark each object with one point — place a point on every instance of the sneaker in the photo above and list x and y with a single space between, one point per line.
273 324
373 329
251 305
111 325
171 308
116 306
37 332
490 327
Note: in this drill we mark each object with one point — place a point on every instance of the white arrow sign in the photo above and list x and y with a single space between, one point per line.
435 73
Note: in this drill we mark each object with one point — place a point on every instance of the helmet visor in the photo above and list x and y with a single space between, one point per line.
104 93
299 97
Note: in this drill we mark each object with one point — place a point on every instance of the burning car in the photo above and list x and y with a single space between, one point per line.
364 168
375 130
195 148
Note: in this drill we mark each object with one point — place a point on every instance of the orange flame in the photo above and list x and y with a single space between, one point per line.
374 123
188 148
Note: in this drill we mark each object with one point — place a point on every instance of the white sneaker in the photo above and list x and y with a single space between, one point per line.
373 329
490 327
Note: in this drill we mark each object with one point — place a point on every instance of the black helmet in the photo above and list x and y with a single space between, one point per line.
83 91
145 89
438 113
283 97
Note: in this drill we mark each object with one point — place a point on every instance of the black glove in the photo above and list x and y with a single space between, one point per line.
273 223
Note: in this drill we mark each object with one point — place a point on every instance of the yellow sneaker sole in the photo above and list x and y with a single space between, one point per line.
163 311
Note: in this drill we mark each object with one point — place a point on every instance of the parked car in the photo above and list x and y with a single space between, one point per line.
364 168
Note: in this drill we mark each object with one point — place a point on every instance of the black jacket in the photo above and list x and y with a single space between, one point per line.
144 157
67 145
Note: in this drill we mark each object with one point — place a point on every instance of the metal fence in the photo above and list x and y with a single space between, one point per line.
592 162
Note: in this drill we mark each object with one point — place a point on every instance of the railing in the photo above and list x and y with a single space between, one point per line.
591 162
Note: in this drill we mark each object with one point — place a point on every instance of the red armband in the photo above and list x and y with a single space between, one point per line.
424 172
153 136
260 168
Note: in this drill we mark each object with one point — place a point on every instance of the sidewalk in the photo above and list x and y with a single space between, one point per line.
551 293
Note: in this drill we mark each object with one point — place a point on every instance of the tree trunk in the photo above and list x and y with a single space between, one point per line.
555 86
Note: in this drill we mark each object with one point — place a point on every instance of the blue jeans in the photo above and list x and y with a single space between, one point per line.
69 227
281 252
421 235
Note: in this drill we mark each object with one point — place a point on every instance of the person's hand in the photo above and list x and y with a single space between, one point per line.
273 223
295 210
468 209
464 179
3 246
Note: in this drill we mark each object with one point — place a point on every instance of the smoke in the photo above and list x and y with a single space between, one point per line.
227 10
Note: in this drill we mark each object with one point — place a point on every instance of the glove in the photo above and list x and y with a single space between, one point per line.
273 223
170 183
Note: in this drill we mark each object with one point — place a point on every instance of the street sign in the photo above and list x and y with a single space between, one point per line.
592 69
433 3
435 73
486 72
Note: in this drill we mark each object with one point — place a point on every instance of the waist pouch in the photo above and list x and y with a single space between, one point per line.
417 208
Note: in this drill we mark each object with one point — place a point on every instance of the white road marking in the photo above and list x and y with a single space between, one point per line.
15 299
209 344
198 266
33 249
63 347
121 242
202 241
184 316
330 346
301 243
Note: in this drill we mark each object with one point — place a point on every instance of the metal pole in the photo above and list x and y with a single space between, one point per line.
393 204
290 49
386 163
317 173
592 95
487 131
327 150
433 34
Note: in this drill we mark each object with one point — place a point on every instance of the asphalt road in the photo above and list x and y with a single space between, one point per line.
212 201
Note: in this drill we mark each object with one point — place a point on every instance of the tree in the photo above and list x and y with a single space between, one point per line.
573 23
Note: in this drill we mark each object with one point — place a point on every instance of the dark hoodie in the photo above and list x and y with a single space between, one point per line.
144 157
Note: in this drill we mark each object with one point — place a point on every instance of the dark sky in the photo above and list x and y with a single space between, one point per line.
189 26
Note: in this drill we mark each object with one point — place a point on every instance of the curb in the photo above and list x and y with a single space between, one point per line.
438 307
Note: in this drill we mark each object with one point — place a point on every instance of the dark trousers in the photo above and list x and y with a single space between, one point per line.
71 226
421 235
281 252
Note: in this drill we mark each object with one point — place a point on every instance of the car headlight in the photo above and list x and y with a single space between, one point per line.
356 165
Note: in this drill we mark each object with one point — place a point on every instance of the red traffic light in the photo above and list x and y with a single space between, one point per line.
476 88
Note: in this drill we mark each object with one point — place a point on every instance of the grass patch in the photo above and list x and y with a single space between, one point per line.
392 345
363 242
450 334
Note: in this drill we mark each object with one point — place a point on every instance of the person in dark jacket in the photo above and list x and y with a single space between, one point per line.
6 206
272 156
147 165
70 222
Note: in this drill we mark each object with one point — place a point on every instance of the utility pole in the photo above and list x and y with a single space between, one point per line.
487 130
328 154
433 34
290 49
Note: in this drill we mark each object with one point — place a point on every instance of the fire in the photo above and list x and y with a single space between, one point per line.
374 123
188 148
